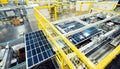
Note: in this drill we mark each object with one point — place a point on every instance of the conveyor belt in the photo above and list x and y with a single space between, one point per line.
115 64
116 33
95 49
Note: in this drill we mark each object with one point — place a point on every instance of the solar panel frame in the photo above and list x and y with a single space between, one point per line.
33 51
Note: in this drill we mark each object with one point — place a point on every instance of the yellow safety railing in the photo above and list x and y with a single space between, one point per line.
27 2
118 6
81 4
92 4
97 9
113 5
16 2
104 62
61 55
111 11
49 7
4 1
81 56
41 24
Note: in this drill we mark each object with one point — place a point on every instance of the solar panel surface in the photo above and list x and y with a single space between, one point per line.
81 36
38 49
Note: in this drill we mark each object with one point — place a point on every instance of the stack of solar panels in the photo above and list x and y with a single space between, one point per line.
84 35
38 49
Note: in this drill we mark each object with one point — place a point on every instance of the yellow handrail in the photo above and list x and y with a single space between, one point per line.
79 54
103 63
42 21
51 38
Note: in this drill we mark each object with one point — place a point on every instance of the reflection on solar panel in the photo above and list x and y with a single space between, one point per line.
81 36
69 26
38 49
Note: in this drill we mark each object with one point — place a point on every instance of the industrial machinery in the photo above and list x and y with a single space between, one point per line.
13 26
13 13
95 35
9 57
80 42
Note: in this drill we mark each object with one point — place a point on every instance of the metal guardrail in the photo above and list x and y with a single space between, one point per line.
61 56
43 23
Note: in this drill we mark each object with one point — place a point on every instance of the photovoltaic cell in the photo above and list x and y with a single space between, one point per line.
37 48
81 36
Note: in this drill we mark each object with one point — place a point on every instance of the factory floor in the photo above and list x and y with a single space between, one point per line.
32 19
11 33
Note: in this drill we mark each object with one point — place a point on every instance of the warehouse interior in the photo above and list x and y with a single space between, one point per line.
59 34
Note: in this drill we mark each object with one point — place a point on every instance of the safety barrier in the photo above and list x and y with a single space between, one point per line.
61 54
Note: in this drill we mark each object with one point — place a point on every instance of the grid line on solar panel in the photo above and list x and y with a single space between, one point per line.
37 48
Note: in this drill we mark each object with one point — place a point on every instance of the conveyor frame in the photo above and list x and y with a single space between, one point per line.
43 23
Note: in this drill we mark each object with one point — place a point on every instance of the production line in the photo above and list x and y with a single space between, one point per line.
98 40
60 34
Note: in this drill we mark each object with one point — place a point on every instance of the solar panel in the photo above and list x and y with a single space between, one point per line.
81 36
90 31
38 49
69 26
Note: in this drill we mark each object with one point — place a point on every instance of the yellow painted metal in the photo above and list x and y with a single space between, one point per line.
43 7
55 10
110 3
55 13
118 4
41 21
119 10
38 17
102 64
16 2
90 3
4 1
37 2
27 2
78 53
59 60
111 11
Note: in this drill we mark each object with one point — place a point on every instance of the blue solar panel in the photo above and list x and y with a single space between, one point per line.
89 32
70 26
37 48
81 36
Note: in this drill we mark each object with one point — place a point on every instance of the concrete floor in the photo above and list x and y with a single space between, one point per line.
32 19
11 33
